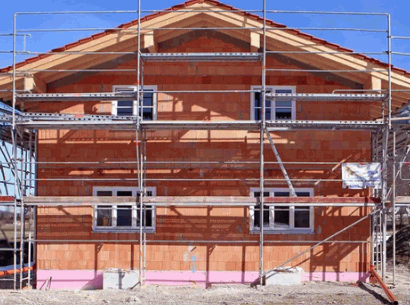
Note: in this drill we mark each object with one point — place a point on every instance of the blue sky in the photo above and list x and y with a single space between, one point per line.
358 41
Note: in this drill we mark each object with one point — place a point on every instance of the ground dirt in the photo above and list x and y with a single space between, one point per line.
309 293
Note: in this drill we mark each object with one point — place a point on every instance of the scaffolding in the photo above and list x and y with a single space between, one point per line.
390 135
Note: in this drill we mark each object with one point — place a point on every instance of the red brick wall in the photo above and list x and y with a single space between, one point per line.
201 223
196 224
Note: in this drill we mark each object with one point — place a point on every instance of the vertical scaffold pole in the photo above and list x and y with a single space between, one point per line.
29 261
389 54
143 186
144 172
138 138
262 136
394 206
384 198
14 160
35 171
22 218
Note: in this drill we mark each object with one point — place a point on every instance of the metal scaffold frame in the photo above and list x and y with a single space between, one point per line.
24 126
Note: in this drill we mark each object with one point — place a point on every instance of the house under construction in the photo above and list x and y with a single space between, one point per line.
204 144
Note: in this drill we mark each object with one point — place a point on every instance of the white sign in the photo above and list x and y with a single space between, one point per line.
361 175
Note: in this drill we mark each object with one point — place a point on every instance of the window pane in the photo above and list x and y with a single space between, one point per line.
302 217
284 104
282 194
283 91
268 115
124 216
147 106
121 111
104 216
148 99
256 217
148 216
147 213
283 113
258 102
124 193
147 114
104 193
257 114
303 194
266 216
258 194
281 217
124 103
124 108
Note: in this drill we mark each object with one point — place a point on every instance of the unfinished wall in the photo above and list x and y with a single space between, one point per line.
181 262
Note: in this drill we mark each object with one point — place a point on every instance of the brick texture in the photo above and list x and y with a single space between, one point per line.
177 224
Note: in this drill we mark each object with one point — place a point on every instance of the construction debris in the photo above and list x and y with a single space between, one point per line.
402 247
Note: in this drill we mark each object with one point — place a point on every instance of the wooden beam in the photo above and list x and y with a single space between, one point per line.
305 44
88 62
103 42
201 21
34 84
255 41
149 42
373 82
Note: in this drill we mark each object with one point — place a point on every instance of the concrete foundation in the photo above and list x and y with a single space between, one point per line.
120 279
91 279
284 276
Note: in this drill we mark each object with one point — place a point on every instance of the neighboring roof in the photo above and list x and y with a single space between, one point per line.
222 6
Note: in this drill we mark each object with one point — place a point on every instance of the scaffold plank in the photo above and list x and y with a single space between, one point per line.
201 201
96 96
403 199
201 56
331 97
125 96
58 121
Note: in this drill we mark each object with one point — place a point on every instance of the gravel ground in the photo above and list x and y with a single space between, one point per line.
309 293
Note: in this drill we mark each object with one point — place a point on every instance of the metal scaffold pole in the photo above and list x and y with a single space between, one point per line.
143 178
14 156
393 200
385 148
138 144
389 54
144 208
261 139
22 218
385 140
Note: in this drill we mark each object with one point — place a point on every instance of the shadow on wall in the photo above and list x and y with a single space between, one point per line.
186 258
